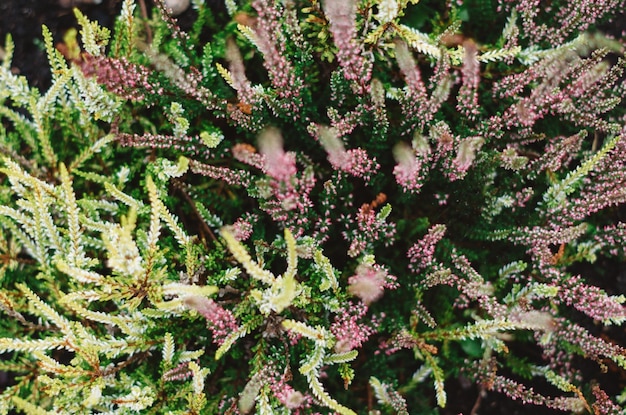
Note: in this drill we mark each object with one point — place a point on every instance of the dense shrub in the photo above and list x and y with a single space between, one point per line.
304 207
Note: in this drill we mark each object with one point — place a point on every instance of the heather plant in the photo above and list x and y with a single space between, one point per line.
316 207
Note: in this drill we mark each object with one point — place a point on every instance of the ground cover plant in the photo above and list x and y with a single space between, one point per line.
317 207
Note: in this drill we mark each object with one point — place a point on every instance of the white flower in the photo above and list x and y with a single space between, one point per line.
387 11
124 255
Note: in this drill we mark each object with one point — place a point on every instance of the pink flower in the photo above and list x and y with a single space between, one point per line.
371 227
119 76
411 169
350 54
349 332
591 300
230 176
468 94
220 321
467 153
271 41
369 283
245 91
355 162
421 254
278 164
243 227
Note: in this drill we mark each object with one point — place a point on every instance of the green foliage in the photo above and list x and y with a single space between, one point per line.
296 204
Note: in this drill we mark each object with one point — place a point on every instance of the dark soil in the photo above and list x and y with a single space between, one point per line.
23 19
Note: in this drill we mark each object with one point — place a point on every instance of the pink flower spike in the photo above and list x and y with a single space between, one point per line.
349 332
370 282
350 54
278 164
421 254
220 321
367 284
467 152
410 170
468 95
354 162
